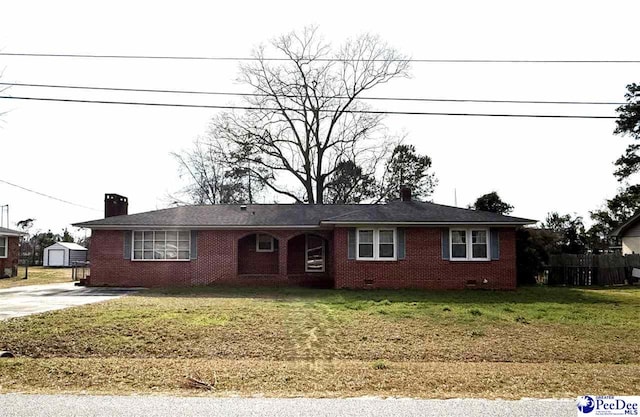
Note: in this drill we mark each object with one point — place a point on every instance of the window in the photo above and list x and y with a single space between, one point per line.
386 244
4 243
478 244
469 244
162 245
314 254
376 244
365 243
459 244
264 243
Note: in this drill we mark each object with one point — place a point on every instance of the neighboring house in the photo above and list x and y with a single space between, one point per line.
629 234
402 244
64 254
9 252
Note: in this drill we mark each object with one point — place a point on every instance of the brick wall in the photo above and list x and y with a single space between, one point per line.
423 266
219 260
13 255
254 262
218 254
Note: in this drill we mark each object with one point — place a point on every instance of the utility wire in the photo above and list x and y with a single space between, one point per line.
221 93
47 195
380 112
241 58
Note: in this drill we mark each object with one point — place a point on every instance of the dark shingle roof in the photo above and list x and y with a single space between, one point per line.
621 229
263 215
418 211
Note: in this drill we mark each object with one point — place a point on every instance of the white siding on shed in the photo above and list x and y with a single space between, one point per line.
63 254
630 244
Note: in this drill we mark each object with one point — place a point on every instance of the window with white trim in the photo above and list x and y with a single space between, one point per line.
365 244
459 244
161 245
376 244
264 243
469 244
4 246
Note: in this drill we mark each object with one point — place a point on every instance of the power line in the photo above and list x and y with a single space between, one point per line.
380 112
224 93
47 195
241 58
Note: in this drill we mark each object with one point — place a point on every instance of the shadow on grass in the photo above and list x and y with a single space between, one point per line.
560 295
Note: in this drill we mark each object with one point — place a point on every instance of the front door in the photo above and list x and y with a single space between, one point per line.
314 254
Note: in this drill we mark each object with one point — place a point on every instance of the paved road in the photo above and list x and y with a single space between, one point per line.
33 299
22 405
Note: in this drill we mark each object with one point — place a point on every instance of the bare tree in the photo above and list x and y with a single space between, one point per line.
304 118
211 178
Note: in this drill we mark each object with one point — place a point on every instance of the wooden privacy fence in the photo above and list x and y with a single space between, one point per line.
604 269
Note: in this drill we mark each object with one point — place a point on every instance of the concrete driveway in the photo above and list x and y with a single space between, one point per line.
33 299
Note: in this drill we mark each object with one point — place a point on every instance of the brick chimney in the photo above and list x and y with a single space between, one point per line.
115 205
405 193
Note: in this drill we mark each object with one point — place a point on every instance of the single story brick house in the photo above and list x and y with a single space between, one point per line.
401 244
9 252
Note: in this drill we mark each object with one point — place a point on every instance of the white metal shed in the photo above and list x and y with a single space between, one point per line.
64 254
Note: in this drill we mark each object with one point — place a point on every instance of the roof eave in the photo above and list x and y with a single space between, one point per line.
13 234
192 227
618 231
428 223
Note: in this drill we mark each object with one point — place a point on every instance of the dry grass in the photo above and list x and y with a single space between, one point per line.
533 342
338 378
37 275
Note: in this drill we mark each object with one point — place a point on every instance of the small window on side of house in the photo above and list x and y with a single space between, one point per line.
264 243
4 246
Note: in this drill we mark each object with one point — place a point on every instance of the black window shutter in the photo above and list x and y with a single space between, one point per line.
194 244
351 243
401 243
495 244
126 236
445 243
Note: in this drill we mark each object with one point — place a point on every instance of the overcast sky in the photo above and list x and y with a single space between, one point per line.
78 152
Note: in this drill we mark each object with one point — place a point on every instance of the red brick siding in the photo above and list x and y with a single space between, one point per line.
217 262
218 252
13 255
296 258
253 262
423 266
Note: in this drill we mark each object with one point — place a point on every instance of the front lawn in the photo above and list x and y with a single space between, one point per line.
533 342
37 275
